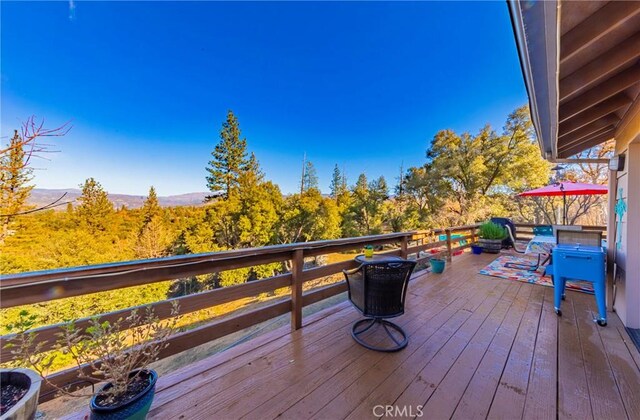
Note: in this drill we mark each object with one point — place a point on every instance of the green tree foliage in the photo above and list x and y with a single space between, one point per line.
337 185
365 214
480 172
229 159
95 209
153 239
257 209
398 211
151 207
309 217
309 179
15 176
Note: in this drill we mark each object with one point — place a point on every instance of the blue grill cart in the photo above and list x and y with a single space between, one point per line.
580 262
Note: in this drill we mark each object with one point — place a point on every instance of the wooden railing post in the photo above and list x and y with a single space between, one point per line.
404 246
473 235
297 264
448 231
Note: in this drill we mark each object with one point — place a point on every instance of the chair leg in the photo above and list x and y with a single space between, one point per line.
388 326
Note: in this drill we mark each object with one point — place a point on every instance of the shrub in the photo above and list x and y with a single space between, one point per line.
491 230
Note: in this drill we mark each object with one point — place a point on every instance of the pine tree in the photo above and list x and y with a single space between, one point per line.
379 189
309 177
95 208
229 159
151 206
337 185
14 177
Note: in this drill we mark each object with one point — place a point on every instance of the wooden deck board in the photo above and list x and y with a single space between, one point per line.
606 401
445 396
509 399
476 399
479 347
573 391
542 389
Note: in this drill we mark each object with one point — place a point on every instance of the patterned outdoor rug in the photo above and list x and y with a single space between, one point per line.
497 269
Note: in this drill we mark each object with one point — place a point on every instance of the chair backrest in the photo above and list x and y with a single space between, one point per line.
581 237
543 230
379 289
504 222
556 228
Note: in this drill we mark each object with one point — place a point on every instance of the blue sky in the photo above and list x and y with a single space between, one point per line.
147 85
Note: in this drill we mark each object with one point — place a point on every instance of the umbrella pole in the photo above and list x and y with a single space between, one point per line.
564 208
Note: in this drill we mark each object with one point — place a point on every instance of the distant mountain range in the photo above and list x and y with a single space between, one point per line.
42 196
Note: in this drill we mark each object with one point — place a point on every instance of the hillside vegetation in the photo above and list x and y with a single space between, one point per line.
465 178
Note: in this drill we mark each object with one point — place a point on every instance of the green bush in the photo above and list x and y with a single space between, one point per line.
491 230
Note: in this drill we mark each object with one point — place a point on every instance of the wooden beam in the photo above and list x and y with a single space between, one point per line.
62 287
596 112
629 128
564 145
403 248
604 21
599 68
297 264
572 161
601 138
324 292
599 93
597 125
276 251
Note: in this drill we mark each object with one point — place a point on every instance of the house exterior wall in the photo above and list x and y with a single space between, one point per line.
626 240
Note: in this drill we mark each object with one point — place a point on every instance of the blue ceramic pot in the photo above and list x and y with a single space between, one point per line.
476 249
134 409
437 265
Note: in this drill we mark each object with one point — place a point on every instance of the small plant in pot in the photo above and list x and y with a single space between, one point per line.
118 353
19 387
491 236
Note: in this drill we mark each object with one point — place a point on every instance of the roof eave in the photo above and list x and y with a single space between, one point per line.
536 30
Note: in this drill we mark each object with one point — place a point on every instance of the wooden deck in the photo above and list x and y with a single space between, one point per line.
479 347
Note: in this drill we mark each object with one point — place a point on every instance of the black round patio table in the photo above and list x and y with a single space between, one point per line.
378 259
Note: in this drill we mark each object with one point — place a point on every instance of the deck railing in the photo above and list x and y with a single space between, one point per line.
525 230
36 287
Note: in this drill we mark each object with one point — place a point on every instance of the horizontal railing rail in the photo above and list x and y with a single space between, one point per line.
525 230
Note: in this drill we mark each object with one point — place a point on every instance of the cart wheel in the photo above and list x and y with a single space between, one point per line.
558 312
601 322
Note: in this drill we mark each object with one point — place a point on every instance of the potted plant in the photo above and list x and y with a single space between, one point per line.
20 389
106 348
437 265
476 249
491 236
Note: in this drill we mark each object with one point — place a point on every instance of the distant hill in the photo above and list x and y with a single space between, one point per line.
42 196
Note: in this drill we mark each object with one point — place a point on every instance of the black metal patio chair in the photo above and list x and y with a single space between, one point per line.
521 266
378 291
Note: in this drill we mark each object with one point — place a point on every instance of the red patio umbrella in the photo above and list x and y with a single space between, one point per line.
564 189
